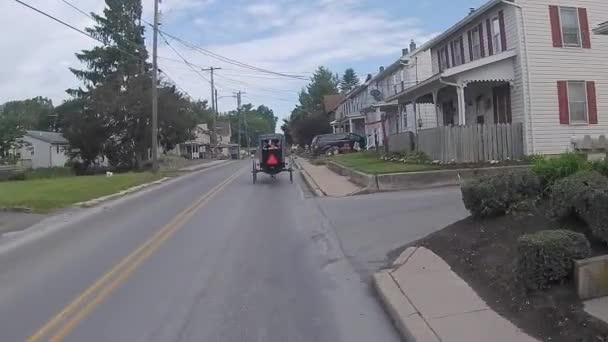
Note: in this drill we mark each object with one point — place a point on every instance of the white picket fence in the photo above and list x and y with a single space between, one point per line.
473 143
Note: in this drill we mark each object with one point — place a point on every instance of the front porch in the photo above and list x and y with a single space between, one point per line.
474 93
349 124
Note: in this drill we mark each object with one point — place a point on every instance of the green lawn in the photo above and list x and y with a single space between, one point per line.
44 195
372 164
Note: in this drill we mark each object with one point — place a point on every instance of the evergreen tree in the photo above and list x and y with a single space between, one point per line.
349 81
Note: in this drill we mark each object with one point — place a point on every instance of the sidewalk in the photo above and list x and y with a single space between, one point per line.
430 303
326 181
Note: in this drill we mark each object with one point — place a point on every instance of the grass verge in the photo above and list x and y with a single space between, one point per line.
45 195
371 163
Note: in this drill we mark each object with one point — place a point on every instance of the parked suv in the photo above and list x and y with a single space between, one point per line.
321 144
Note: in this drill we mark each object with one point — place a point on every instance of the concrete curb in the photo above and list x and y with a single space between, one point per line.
309 181
416 180
406 318
99 200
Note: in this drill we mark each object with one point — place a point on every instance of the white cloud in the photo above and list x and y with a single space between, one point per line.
283 35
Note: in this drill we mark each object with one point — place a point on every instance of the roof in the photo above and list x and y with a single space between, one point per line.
331 102
462 23
49 137
602 28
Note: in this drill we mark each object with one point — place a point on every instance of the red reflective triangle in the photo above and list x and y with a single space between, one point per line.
272 160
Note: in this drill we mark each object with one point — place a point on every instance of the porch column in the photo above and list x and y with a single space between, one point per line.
350 125
462 105
436 105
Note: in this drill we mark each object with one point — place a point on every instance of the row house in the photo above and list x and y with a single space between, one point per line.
349 115
366 110
534 62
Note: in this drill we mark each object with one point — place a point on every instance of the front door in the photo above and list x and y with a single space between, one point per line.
502 104
449 112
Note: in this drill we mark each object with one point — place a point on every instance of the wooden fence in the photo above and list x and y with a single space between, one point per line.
472 144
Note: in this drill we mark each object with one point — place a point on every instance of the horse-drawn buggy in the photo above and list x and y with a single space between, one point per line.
272 157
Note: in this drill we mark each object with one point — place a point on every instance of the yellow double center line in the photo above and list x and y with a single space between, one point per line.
66 321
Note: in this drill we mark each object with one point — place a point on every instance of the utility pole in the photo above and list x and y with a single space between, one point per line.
217 106
155 90
213 108
238 110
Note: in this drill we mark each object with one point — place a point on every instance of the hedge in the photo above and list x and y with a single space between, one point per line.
585 195
552 169
570 195
495 195
548 256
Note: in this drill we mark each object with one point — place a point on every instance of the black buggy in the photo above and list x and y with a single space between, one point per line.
272 157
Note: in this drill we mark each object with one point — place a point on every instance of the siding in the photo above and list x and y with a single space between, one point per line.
510 30
548 65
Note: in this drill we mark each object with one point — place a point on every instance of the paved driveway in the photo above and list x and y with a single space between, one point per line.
371 226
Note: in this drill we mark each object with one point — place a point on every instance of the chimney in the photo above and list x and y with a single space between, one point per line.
412 45
405 52
472 10
381 69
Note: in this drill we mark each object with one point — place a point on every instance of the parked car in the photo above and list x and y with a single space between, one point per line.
321 144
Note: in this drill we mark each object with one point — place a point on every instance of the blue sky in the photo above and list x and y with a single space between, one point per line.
283 35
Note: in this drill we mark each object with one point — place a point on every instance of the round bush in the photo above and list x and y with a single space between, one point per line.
548 256
570 195
495 195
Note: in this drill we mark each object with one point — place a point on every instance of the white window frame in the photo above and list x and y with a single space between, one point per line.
586 101
578 26
458 57
496 35
476 43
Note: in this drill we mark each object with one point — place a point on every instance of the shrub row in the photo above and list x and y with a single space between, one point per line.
584 194
495 195
548 256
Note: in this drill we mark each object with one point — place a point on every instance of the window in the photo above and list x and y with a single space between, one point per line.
570 27
577 101
476 44
443 59
496 35
457 49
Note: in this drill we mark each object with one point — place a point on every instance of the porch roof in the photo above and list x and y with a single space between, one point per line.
421 89
602 29
497 68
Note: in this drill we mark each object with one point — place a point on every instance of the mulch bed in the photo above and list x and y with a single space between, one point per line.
483 253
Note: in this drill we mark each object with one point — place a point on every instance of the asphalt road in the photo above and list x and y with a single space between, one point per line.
230 261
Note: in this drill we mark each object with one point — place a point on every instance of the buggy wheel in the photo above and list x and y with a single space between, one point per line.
291 176
254 173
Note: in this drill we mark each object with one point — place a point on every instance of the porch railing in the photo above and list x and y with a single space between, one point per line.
473 143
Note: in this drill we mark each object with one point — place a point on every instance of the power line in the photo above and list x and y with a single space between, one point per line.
226 59
77 29
183 58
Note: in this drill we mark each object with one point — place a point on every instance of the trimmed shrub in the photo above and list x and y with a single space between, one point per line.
568 196
600 166
552 169
495 195
594 212
548 256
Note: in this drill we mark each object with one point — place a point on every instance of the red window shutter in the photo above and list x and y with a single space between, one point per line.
592 102
556 26
481 43
439 60
489 32
470 45
503 30
564 105
462 49
583 20
453 58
